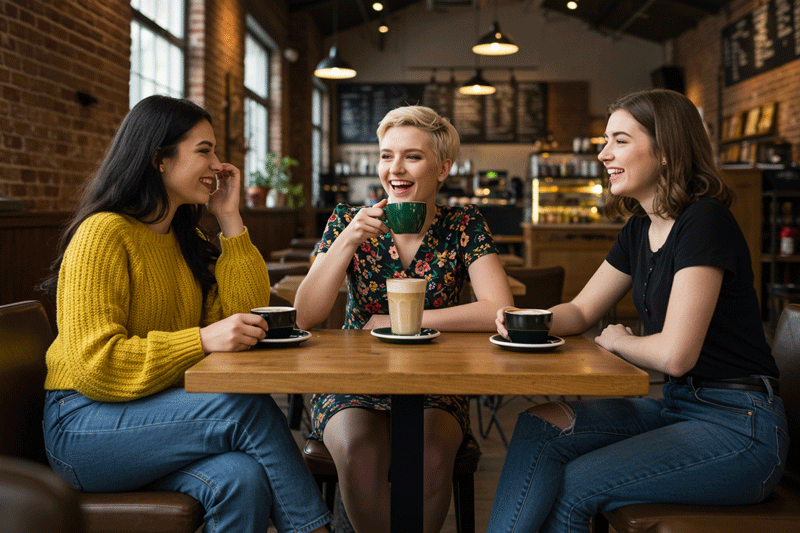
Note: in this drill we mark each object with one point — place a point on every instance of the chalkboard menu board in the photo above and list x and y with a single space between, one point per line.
363 105
762 40
515 113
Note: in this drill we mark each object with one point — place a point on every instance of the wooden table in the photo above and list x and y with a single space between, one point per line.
355 362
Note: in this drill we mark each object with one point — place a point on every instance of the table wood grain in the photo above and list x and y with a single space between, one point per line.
355 362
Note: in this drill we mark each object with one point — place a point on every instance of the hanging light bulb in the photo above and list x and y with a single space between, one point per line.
477 85
495 43
572 5
383 28
377 6
334 67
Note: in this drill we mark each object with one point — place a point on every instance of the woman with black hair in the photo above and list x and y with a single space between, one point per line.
142 295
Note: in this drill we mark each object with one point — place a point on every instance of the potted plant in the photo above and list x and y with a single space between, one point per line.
276 181
258 186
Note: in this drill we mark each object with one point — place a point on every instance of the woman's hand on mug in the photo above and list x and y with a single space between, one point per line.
500 321
233 334
367 224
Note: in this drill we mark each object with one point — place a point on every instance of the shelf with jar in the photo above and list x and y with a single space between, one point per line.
564 188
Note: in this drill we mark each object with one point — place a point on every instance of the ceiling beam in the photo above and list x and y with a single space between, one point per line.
299 5
605 8
633 18
706 6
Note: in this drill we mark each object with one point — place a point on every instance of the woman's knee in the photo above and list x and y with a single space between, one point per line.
234 476
558 414
443 437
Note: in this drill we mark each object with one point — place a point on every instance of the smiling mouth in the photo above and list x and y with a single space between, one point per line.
400 185
208 182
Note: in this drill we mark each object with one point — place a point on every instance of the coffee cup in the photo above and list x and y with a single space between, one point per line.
406 302
405 217
280 320
528 326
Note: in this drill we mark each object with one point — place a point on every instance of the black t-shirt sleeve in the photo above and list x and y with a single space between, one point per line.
706 236
620 254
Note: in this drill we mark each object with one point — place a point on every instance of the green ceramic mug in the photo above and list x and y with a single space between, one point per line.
405 217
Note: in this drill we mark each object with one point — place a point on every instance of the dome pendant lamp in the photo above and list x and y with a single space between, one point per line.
495 43
477 85
334 67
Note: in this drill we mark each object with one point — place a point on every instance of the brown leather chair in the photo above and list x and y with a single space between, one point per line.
543 286
34 499
319 461
25 335
779 513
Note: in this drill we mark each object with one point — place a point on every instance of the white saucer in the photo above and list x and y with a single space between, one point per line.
297 336
386 335
552 342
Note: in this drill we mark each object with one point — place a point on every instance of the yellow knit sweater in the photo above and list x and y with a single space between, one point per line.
129 310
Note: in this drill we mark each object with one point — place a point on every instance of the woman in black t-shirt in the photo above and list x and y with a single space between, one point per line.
718 435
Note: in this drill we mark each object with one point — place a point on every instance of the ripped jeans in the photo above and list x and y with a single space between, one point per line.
693 446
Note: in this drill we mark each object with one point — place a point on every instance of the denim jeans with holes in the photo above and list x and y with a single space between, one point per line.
232 452
695 445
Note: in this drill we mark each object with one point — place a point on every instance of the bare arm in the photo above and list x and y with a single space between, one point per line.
674 351
604 289
492 291
317 293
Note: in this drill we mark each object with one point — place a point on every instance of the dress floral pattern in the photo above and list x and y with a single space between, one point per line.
457 237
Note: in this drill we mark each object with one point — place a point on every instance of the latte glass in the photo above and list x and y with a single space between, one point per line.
406 302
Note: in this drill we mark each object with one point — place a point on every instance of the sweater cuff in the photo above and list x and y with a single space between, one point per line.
236 245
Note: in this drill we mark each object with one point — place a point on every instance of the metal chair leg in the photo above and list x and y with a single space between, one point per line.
493 403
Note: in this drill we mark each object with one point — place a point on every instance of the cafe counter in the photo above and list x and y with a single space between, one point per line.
579 248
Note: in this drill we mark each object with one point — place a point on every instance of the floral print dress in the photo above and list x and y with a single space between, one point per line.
457 237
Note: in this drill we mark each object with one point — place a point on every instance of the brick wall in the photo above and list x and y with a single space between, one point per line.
699 51
49 50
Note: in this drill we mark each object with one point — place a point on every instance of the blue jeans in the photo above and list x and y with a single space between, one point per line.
232 452
693 446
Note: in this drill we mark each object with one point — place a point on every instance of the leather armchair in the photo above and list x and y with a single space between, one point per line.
25 335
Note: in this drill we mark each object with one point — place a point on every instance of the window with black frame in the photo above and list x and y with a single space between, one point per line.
158 49
259 53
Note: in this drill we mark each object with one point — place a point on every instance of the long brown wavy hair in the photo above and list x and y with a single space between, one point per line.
678 136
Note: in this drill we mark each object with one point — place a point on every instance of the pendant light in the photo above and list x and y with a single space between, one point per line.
334 67
477 85
495 43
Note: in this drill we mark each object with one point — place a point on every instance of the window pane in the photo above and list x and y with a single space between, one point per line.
256 135
316 167
156 65
256 63
316 108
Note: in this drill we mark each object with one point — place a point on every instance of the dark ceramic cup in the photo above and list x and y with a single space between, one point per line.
405 217
281 320
528 326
